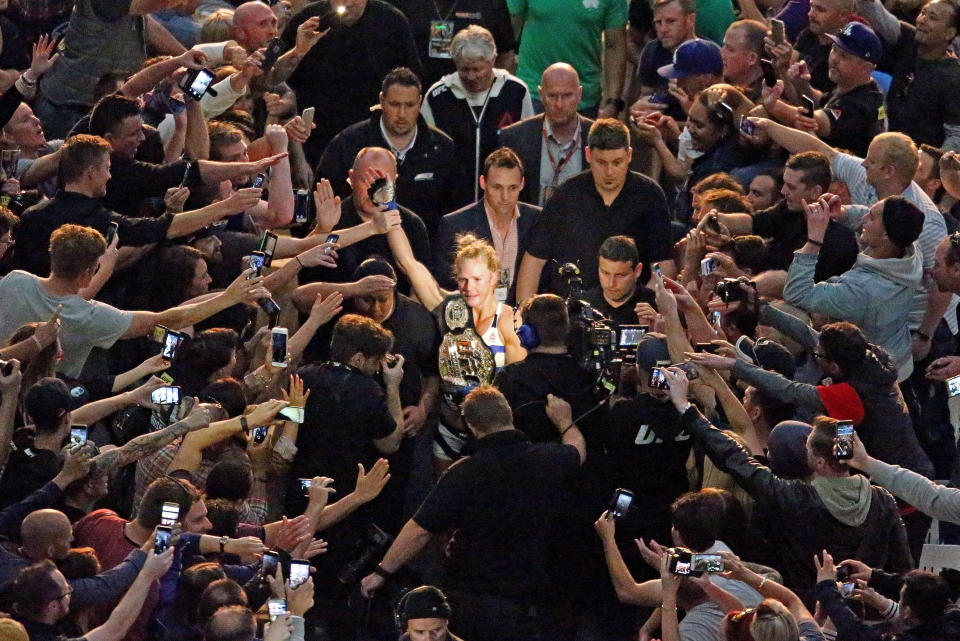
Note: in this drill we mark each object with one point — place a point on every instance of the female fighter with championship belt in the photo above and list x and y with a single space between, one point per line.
477 330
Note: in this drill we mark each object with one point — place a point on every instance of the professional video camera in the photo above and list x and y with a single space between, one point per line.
592 341
370 548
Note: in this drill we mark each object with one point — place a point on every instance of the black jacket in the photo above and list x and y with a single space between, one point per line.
526 138
424 178
798 523
472 219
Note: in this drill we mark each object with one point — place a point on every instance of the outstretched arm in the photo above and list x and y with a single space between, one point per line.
424 284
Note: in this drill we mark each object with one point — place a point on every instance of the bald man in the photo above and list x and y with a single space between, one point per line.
552 145
254 25
357 208
46 535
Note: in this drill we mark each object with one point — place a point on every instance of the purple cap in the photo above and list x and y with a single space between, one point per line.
859 40
694 57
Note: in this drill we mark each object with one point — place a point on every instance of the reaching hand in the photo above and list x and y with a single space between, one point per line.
606 526
374 284
244 290
175 198
157 565
324 309
414 418
944 368
321 489
392 374
141 395
858 569
826 570
276 135
713 361
324 255
76 465
297 130
327 206
296 396
386 219
263 413
192 59
817 220
370 484
679 385
308 35
279 629
42 60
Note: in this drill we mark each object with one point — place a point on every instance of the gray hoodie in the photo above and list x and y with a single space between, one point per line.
875 295
847 498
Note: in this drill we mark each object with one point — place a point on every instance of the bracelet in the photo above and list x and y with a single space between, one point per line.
298 262
814 242
243 425
762 581
381 572
27 81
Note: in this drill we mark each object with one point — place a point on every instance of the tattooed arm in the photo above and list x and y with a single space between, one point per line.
147 444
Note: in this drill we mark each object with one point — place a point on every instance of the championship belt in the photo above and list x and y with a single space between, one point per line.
465 361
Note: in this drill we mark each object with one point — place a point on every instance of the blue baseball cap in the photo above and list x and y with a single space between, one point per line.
859 40
694 57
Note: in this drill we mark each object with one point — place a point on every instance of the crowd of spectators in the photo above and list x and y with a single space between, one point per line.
344 320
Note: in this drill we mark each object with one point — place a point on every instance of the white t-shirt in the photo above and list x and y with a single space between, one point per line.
85 324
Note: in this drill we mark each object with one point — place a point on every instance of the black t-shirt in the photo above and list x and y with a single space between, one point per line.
26 471
786 232
815 55
526 384
575 222
132 181
349 258
855 117
924 95
346 412
501 501
623 314
341 74
489 14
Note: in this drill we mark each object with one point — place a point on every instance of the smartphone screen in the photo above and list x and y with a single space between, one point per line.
621 502
953 386
269 306
279 338
299 572
200 84
658 380
256 261
186 172
715 317
305 486
162 540
171 342
630 335
166 395
169 513
258 181
747 126
301 206
111 232
657 271
333 238
844 440
267 245
260 434
78 435
276 607
706 563
270 561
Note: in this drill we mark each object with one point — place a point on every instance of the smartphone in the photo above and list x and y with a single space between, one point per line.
268 244
716 317
724 112
301 206
620 503
169 514
846 589
305 486
953 385
171 342
658 380
844 440
256 262
166 395
294 414
196 83
162 540
276 607
657 271
160 334
689 369
299 572
78 435
278 337
809 106
747 126
269 306
769 72
710 348
111 232
271 559
274 50
778 31
260 434
630 335
307 117
186 172
258 181
708 266
706 563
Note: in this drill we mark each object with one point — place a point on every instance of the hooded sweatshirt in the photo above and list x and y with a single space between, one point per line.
875 295
846 497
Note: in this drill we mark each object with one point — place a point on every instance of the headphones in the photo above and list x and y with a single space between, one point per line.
431 598
528 336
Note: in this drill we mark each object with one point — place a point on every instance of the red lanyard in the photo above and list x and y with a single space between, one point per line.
558 166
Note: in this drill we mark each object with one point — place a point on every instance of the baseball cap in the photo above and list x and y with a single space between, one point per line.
767 354
650 350
902 221
692 58
49 399
425 602
859 40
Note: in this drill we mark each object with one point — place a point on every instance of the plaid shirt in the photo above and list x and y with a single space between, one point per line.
39 12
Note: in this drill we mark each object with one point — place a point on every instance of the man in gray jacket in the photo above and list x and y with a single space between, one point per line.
875 294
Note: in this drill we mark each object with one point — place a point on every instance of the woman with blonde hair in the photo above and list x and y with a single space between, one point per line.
477 330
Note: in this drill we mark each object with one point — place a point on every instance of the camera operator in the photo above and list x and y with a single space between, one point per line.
423 614
547 369
501 501
619 291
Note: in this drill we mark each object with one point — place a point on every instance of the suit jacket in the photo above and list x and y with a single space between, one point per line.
473 219
526 139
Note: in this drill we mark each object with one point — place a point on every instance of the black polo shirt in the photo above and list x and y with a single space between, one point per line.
40 221
132 181
489 14
855 117
924 94
786 232
501 501
575 222
346 412
526 384
816 55
623 314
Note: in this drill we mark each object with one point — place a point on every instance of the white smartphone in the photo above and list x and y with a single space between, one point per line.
307 116
278 337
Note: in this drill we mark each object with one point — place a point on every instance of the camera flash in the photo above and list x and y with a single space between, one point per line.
341 10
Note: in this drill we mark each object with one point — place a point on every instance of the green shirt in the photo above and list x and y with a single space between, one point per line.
713 18
566 31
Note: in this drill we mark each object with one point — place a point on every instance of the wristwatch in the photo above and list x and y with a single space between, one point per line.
244 426
223 543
